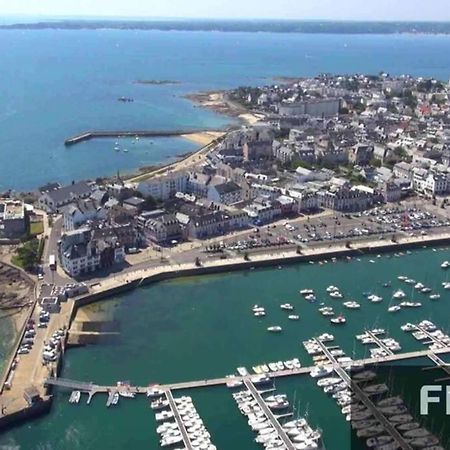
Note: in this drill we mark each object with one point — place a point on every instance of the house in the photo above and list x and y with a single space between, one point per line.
162 230
255 150
78 213
345 199
361 154
226 193
198 183
429 182
325 107
83 253
13 218
403 170
133 204
52 201
392 192
164 186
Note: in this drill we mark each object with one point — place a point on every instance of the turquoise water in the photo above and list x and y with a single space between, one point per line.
195 328
58 83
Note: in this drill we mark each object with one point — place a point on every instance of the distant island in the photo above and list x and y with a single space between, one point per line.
156 82
273 26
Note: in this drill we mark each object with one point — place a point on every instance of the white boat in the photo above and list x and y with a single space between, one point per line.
446 284
425 290
410 281
411 304
408 327
293 317
257 308
321 371
435 296
306 292
445 265
115 398
335 294
419 286
339 320
351 305
154 392
394 308
398 294
402 278
375 298
287 306
332 289
275 329
242 371
259 314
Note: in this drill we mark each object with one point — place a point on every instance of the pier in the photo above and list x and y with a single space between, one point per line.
92 387
87 135
268 413
380 343
365 399
180 424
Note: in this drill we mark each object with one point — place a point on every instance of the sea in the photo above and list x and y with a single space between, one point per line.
57 83
203 327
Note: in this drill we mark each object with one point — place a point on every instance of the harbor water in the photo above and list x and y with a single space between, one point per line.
203 327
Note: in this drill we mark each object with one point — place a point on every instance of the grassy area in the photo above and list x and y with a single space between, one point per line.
36 228
28 254
17 261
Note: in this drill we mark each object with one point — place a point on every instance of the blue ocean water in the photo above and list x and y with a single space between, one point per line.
57 83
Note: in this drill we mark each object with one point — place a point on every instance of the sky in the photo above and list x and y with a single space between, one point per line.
235 9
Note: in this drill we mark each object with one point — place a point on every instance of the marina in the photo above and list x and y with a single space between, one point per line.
202 380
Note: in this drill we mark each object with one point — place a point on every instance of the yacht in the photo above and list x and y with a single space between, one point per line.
446 284
394 308
242 371
293 317
287 306
352 305
398 294
306 292
425 290
419 286
158 404
275 329
411 304
375 298
402 278
332 289
445 265
154 392
339 320
335 294
115 398
310 298
257 308
410 281
435 296
325 337
321 371
408 327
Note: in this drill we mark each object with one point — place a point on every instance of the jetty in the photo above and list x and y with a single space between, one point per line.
96 388
365 399
87 135
186 441
380 343
268 413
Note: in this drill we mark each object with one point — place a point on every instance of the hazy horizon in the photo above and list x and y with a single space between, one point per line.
319 10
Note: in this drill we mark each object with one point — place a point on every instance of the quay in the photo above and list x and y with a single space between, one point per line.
186 441
365 399
87 135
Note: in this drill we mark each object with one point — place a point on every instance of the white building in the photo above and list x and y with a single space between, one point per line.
164 186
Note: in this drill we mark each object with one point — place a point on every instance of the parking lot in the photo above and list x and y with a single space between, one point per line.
382 223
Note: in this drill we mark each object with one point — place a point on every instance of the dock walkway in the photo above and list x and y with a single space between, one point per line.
365 399
92 387
180 423
380 343
268 413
